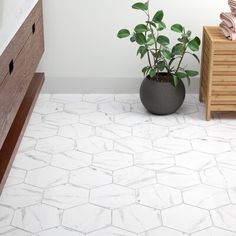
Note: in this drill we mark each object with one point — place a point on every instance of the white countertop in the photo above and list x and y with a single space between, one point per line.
12 14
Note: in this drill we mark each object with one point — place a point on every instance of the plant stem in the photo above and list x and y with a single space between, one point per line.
181 59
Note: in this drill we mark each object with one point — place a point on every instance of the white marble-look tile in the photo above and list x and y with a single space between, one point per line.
114 107
136 218
98 98
232 195
27 144
159 196
94 144
154 160
186 218
178 177
205 196
225 217
211 145
227 159
233 144
187 108
76 131
130 119
133 145
96 119
195 160
21 195
134 177
168 121
65 196
150 131
47 107
213 231
71 160
61 119
113 131
36 218
41 131
199 119
31 160
81 107
12 231
113 160
55 145
127 98
172 145
111 231
219 177
66 98
59 231
44 97
35 119
6 215
163 231
46 177
222 131
86 218
187 132
16 176
112 196
90 177
139 108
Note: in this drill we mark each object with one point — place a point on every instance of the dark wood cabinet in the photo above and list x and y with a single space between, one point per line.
19 85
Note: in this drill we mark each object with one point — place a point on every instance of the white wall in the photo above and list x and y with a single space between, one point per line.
83 54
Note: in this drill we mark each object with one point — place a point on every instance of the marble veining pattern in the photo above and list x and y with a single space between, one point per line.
101 165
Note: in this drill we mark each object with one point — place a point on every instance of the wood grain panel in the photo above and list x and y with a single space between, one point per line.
14 87
13 49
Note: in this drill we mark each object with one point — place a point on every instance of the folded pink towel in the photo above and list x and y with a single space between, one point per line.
227 31
229 19
232 3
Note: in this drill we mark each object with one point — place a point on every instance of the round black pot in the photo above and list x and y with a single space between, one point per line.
161 97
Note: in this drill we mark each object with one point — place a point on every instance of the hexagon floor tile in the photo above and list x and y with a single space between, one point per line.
101 165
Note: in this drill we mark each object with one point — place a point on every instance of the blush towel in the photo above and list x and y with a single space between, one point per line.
229 19
232 4
227 31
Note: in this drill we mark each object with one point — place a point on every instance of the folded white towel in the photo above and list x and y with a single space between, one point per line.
227 31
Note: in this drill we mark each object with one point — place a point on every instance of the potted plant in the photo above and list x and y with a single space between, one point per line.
162 91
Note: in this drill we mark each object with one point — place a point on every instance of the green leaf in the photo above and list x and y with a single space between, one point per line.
142 51
124 33
178 49
196 57
177 28
191 73
150 40
145 70
175 80
151 23
183 40
181 75
140 38
161 65
140 6
163 40
141 28
133 39
166 53
158 16
152 73
188 34
161 26
194 44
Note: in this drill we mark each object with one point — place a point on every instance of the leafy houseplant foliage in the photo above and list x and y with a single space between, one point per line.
156 46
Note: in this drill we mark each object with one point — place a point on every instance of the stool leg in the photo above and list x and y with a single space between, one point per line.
208 114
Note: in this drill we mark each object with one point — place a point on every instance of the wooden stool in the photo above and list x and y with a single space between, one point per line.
218 72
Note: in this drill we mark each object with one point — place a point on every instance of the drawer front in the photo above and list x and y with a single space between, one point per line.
13 49
15 85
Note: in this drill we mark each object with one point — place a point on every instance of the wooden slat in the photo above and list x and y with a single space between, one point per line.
224 88
224 107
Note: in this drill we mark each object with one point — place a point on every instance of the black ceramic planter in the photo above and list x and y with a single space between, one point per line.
161 98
